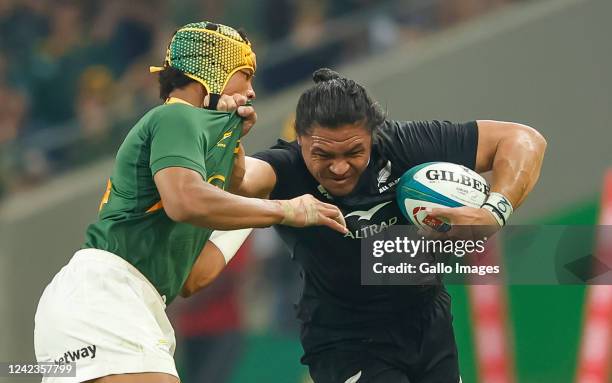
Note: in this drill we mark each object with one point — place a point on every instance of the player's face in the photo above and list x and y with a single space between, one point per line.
241 82
336 157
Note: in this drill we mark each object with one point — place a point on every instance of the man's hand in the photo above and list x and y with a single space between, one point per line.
250 118
306 210
465 216
230 103
466 223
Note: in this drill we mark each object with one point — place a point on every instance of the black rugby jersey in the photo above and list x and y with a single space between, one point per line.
332 292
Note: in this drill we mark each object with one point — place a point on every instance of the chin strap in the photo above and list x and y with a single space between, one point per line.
213 101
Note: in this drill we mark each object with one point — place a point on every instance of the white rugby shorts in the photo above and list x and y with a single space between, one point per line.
100 312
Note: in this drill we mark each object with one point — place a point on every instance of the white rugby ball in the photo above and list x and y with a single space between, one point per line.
439 184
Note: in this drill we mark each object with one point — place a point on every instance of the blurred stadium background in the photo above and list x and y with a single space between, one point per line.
74 77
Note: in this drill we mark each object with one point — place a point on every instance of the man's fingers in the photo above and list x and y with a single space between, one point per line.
229 103
327 205
250 118
222 105
330 212
239 99
334 214
340 219
332 224
245 111
314 212
446 212
226 103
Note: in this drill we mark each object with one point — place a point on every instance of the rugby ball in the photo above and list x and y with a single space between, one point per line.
438 184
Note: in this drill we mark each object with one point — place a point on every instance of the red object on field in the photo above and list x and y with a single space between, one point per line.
495 362
595 349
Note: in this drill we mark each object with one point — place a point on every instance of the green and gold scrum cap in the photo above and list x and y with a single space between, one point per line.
209 53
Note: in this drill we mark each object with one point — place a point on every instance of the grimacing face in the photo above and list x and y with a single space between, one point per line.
336 157
241 82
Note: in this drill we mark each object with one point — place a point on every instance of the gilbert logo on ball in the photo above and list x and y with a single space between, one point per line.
439 184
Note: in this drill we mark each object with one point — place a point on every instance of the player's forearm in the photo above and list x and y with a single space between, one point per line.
218 251
208 206
206 268
517 162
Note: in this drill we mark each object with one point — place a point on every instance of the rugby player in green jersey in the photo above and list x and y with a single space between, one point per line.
104 311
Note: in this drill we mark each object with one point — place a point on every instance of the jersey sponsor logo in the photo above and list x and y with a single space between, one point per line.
370 230
81 353
384 173
367 214
354 378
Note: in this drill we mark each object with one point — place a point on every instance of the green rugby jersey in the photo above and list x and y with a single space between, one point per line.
132 222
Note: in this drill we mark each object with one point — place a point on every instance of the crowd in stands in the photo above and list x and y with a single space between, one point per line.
74 73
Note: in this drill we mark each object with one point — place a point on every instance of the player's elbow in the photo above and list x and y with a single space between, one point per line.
181 208
186 291
531 138
177 210
540 140
192 286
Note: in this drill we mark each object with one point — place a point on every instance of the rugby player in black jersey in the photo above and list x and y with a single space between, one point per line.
348 154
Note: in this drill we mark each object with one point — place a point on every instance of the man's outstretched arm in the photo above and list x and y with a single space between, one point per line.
187 198
251 178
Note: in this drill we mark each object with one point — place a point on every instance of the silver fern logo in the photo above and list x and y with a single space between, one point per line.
384 173
354 378
367 214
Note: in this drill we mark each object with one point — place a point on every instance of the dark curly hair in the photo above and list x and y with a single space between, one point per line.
334 101
170 79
